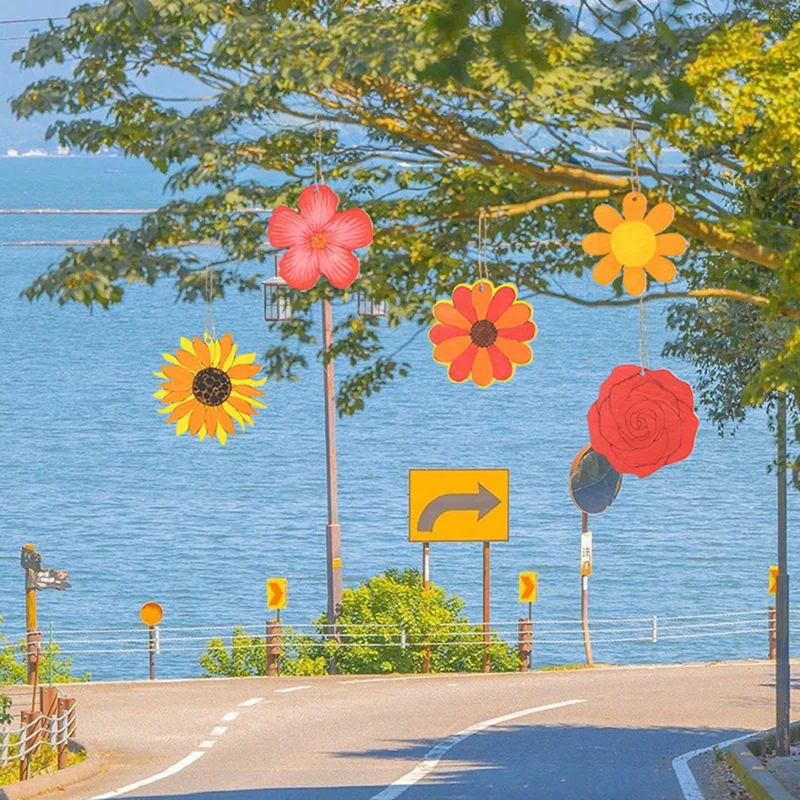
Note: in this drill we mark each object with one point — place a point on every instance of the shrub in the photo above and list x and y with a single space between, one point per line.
384 626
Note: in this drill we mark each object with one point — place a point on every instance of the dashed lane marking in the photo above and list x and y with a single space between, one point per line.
433 756
291 689
203 748
251 702
173 770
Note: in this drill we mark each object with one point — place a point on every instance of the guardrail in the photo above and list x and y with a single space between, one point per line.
541 633
54 723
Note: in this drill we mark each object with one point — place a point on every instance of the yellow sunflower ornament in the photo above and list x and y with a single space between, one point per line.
207 386
634 243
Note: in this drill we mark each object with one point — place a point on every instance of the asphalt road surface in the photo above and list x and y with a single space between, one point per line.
604 733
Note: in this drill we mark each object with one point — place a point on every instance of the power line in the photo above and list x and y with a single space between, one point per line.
32 19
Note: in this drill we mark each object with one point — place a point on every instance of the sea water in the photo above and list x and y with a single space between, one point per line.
93 476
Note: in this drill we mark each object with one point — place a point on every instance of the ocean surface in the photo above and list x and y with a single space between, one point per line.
94 477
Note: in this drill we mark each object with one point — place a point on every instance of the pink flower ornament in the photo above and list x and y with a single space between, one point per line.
320 239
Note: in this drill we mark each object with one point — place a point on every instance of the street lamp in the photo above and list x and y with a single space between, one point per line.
277 308
277 302
369 307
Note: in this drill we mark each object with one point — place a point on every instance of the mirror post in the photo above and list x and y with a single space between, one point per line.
587 640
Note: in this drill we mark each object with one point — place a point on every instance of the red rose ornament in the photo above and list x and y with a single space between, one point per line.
643 420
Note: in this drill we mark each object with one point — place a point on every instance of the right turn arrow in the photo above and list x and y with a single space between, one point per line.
483 501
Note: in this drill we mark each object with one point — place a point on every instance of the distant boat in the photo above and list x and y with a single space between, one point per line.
62 151
12 153
34 153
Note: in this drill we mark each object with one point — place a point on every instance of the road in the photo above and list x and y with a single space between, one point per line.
604 733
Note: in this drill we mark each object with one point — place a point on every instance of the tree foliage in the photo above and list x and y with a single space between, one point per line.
384 627
431 113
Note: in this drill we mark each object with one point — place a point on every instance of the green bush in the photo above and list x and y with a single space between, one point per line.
52 666
373 615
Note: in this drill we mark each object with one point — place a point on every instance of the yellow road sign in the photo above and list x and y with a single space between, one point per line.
151 614
773 579
458 505
276 593
528 587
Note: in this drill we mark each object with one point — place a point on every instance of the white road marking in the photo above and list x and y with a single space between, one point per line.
291 689
251 702
173 770
689 787
206 745
433 756
375 680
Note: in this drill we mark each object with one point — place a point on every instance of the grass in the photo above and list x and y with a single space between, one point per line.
43 761
564 667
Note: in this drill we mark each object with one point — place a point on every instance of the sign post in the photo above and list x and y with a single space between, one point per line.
277 598
31 561
459 505
151 614
586 571
528 591
426 587
37 578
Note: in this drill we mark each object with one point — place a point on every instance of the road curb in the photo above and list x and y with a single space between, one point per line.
755 777
52 780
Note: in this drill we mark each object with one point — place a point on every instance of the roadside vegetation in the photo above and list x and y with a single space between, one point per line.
43 761
53 667
384 626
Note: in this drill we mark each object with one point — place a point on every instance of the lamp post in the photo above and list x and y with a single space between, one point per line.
278 308
782 671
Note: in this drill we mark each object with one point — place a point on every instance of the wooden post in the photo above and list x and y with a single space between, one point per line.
31 624
525 643
26 733
62 732
772 628
273 648
426 585
487 662
72 721
48 705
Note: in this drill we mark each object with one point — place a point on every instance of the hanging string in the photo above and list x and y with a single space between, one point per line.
209 333
635 150
319 177
636 186
483 265
644 355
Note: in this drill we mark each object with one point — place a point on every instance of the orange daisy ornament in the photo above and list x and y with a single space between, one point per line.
635 243
482 333
207 387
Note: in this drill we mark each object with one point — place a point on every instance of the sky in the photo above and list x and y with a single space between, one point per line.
29 134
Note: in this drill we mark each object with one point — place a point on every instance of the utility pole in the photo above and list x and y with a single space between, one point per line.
782 675
333 533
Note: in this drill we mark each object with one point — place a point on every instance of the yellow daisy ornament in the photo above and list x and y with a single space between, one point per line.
634 242
207 387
